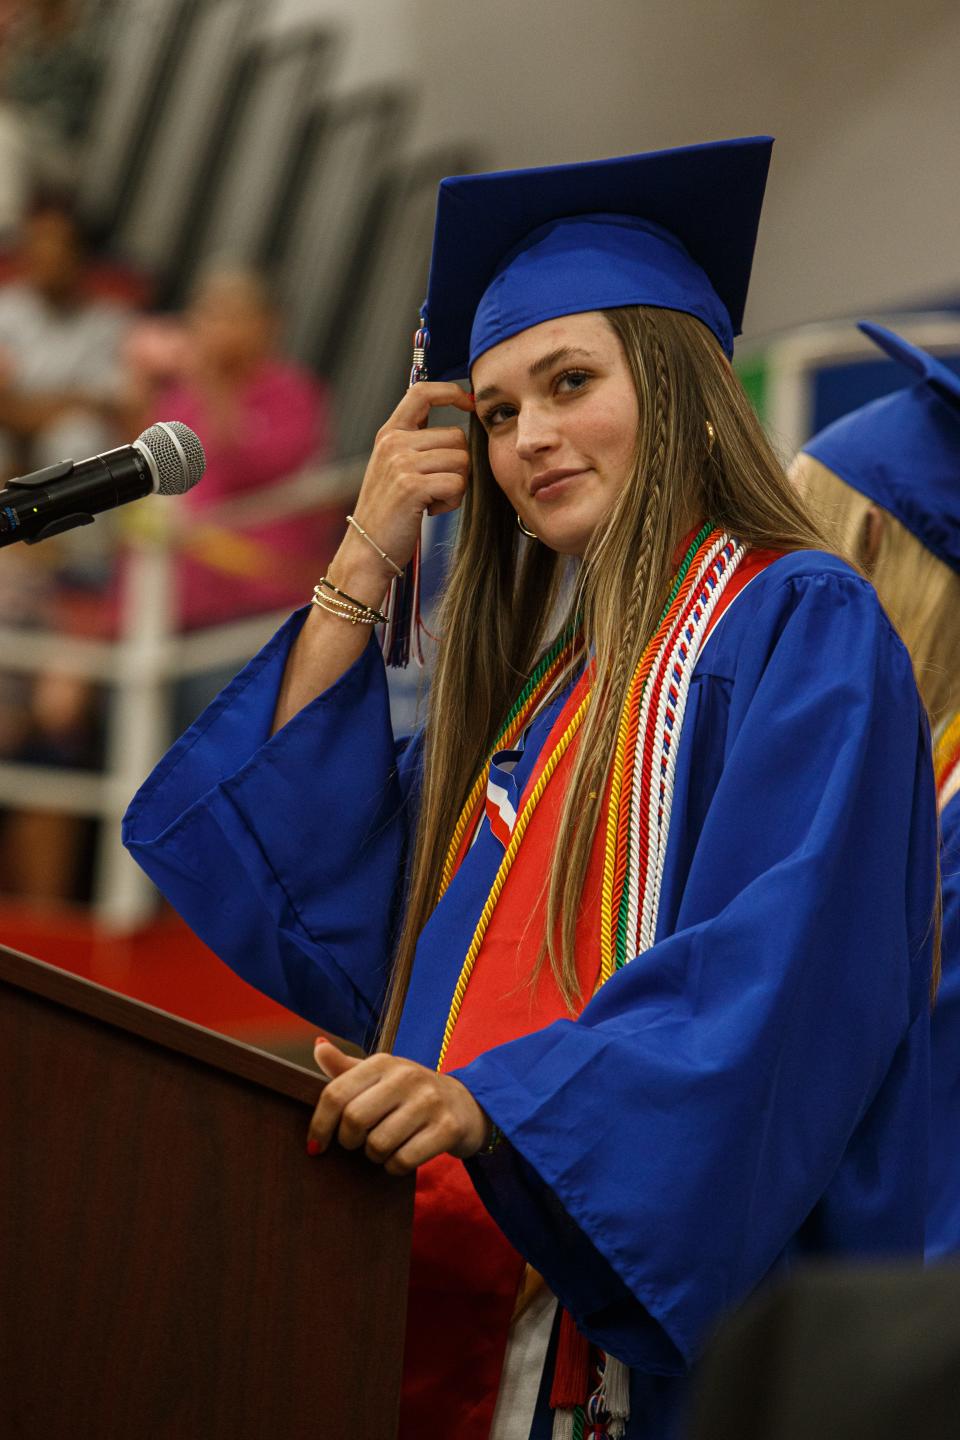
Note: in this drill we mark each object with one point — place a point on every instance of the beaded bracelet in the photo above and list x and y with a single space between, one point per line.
357 604
397 570
346 605
342 605
355 618
347 612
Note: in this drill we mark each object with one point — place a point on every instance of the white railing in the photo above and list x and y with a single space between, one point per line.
140 668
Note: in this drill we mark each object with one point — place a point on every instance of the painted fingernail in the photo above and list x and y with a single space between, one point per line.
321 1040
313 1147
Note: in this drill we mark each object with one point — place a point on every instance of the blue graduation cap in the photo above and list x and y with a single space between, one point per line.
672 228
903 450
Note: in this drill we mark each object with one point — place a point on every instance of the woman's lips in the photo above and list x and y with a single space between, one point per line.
552 482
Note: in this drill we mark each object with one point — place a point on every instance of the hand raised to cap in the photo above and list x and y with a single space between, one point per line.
413 470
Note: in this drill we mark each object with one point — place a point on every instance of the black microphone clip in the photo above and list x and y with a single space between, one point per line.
44 477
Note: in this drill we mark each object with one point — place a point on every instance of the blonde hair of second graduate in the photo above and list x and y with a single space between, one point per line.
920 593
500 604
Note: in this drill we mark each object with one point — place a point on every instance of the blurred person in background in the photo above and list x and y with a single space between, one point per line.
886 481
640 922
60 348
26 602
260 419
51 719
61 389
70 393
45 854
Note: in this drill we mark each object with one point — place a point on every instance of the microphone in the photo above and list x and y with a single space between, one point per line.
167 459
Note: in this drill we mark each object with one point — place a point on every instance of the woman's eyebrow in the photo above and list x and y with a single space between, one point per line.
546 362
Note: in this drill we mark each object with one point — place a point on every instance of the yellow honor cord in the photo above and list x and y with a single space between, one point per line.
610 849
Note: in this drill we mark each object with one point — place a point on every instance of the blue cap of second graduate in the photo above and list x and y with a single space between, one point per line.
672 228
903 450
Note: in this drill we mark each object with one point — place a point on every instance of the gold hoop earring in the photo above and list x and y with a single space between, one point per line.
524 528
711 436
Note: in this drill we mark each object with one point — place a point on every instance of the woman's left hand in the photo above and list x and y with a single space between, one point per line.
398 1112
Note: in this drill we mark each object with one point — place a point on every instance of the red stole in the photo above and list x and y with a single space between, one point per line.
464 1276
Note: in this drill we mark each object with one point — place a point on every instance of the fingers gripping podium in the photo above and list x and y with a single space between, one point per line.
172 1263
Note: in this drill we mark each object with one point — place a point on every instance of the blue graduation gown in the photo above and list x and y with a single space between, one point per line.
753 1088
943 1216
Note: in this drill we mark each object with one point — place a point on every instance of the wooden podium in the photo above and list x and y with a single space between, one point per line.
173 1266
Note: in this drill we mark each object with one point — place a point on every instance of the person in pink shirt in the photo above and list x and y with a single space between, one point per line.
260 419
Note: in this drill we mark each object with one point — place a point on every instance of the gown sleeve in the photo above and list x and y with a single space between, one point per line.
284 852
762 1068
943 1219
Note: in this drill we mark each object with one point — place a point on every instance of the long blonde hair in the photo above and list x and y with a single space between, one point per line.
501 602
919 592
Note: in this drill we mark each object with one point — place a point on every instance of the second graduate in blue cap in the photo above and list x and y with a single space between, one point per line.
645 943
888 476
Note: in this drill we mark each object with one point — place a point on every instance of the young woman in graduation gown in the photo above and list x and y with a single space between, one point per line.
886 480
644 945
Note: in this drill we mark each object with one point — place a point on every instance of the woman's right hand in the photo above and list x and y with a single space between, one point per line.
412 471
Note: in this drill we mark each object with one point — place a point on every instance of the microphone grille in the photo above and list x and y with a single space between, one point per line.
177 454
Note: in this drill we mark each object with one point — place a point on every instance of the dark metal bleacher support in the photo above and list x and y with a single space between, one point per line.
334 168
368 353
227 152
149 40
239 194
186 135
